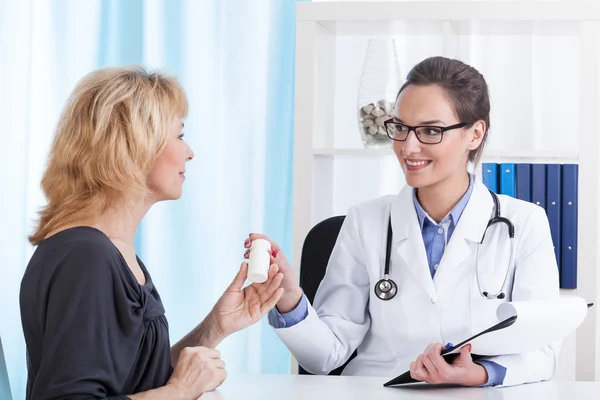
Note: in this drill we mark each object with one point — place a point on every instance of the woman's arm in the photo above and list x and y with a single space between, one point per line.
163 393
198 370
238 308
339 321
205 334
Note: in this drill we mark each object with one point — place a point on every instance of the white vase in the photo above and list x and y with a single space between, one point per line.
379 83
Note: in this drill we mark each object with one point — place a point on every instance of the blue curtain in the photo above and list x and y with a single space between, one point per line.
235 59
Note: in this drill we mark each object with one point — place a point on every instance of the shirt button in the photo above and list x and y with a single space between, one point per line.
435 267
440 231
432 301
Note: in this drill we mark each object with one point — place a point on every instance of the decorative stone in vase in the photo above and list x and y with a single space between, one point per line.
379 83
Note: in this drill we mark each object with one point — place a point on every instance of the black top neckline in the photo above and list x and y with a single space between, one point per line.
71 231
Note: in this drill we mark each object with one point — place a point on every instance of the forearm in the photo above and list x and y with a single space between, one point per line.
162 393
206 334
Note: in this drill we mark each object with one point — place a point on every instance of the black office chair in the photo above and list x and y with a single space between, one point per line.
316 250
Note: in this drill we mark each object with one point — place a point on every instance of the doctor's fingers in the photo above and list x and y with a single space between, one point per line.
444 370
253 236
418 371
430 367
433 348
419 363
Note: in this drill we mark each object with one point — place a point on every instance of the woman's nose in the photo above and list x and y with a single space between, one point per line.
411 144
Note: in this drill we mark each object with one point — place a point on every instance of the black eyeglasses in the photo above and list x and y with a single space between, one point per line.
425 134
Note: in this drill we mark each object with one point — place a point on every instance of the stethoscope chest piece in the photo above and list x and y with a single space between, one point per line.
386 289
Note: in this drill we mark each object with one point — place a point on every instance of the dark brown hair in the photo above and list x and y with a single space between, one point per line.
465 86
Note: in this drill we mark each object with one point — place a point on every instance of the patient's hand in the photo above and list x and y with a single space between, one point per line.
239 308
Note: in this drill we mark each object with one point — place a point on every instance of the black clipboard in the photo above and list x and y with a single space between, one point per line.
405 378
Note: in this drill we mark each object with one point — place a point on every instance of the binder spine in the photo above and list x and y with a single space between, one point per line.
523 181
507 179
569 226
490 176
554 208
538 185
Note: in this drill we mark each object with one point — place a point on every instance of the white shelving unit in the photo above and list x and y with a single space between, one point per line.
550 118
489 156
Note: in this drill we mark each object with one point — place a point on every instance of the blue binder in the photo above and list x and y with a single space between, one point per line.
553 207
523 181
507 179
538 184
569 226
490 176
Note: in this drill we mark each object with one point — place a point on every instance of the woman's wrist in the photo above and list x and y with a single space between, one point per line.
290 300
210 335
478 376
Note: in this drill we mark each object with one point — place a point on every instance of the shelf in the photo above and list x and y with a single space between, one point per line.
390 18
351 11
490 156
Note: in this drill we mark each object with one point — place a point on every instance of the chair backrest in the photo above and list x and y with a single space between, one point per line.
4 386
316 250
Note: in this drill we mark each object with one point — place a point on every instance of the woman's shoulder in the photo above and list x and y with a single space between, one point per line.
520 209
80 250
80 241
373 209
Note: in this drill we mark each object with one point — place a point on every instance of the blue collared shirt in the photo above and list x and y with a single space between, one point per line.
435 238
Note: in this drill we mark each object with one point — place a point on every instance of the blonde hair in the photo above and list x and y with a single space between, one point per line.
115 123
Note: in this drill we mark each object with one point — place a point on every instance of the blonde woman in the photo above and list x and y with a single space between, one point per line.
93 320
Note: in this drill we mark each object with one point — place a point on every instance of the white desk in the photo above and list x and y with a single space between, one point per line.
306 387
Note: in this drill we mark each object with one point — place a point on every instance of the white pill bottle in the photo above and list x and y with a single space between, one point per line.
259 261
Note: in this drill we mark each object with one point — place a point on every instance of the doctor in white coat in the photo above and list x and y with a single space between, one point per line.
446 289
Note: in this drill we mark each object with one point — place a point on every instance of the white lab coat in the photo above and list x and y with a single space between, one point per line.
388 335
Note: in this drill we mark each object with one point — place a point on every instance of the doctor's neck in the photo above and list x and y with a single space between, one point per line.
440 198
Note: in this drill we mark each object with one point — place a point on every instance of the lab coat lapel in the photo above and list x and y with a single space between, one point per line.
466 235
408 240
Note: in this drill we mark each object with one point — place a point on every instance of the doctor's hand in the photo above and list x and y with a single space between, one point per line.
240 307
431 367
292 292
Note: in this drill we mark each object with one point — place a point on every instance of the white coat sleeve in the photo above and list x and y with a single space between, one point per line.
337 324
536 278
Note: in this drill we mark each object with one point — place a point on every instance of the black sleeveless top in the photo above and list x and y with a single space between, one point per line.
92 331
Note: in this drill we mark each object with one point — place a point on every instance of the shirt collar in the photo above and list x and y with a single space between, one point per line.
454 214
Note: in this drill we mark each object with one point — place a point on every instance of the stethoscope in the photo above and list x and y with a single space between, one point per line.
386 288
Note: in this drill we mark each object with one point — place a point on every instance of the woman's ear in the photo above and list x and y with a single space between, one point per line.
478 133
